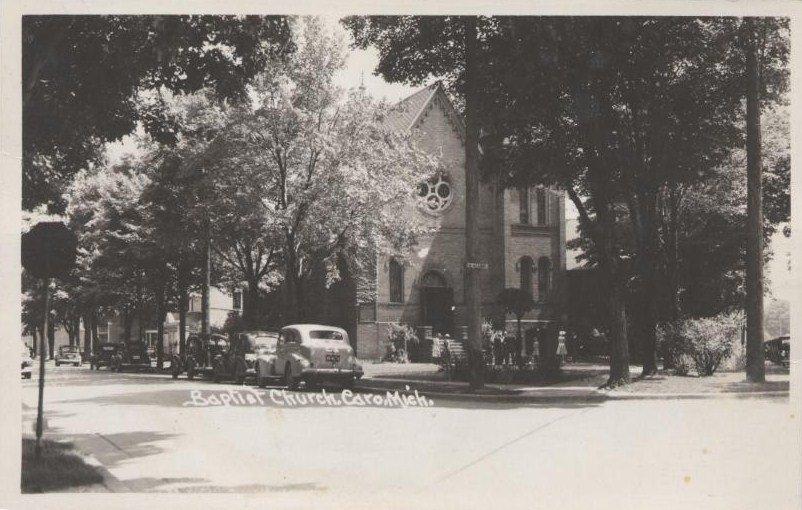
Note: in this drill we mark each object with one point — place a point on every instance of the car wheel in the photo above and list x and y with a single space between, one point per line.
289 381
58 364
77 364
349 384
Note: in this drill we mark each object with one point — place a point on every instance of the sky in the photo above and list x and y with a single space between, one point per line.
359 68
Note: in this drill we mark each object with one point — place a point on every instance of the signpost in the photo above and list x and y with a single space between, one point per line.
477 265
48 251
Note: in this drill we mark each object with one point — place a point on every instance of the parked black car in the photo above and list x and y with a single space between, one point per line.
133 355
778 350
105 355
198 355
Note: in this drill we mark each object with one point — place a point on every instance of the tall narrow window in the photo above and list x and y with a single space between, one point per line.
542 209
396 282
237 298
526 265
543 278
523 195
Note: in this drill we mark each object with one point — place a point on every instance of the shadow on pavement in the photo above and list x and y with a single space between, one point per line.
57 469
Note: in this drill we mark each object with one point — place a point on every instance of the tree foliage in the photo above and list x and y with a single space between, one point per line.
88 80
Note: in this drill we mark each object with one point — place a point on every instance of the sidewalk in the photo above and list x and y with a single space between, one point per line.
579 382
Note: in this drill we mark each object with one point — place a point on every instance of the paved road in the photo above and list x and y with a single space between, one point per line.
729 453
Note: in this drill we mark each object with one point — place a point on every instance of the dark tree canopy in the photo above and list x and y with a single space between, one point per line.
84 78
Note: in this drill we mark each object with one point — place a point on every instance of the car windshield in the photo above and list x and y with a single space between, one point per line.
67 349
326 334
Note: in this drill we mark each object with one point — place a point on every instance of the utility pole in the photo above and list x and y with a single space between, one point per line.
755 363
472 241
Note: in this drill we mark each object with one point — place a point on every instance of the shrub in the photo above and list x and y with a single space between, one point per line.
702 343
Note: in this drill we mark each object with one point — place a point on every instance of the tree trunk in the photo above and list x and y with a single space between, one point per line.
35 337
646 261
519 354
755 363
127 324
183 296
672 268
87 335
207 275
619 348
139 309
51 339
161 314
94 330
616 305
292 283
250 304
473 310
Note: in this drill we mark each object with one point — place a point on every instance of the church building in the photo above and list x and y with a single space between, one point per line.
522 241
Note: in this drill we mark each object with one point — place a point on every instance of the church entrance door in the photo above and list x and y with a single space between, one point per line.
437 301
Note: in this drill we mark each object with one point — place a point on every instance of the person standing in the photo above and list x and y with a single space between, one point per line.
562 351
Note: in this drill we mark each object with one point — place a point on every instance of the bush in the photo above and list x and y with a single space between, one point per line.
702 343
400 337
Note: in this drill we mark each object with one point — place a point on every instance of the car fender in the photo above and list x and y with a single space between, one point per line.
297 361
266 364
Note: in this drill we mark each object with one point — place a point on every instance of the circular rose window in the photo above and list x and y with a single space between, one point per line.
435 194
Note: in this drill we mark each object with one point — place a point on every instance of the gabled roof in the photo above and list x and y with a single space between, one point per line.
407 112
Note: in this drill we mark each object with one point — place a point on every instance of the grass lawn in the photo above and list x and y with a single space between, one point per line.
57 469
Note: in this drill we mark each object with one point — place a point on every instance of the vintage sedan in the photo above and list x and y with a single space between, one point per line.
68 355
315 354
105 355
132 355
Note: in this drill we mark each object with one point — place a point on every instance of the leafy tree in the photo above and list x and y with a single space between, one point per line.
88 80
331 176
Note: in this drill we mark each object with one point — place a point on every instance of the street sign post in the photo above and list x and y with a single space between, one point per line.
48 251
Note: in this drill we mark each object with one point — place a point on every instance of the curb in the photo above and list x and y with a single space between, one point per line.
111 482
552 394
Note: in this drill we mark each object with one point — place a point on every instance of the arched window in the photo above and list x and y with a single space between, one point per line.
543 277
542 209
527 266
523 197
396 282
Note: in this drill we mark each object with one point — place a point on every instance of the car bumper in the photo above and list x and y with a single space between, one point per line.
312 373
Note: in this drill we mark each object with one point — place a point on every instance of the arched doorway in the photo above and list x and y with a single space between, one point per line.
437 303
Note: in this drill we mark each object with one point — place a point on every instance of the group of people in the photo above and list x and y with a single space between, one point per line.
507 348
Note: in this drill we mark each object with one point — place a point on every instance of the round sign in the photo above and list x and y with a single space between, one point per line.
48 249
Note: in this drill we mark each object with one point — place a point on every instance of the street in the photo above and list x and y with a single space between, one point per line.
719 453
